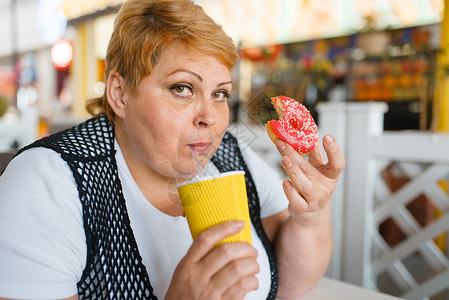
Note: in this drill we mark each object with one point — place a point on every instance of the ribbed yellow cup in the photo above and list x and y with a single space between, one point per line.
213 200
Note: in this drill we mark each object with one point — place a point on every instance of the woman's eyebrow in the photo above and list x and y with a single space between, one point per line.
224 83
186 71
196 75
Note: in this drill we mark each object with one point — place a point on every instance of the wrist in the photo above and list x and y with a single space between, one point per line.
318 218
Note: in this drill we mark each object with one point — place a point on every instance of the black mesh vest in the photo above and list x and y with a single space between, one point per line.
114 268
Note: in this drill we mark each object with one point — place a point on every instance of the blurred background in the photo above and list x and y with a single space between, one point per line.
375 74
52 56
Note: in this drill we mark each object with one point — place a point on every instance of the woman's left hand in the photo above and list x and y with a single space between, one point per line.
311 182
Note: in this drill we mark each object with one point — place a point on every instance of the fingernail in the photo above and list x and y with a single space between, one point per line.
287 185
329 140
287 161
238 224
280 145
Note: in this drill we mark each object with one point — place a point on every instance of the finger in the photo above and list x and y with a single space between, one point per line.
297 202
288 151
285 149
234 272
241 288
206 240
301 174
316 156
226 255
336 160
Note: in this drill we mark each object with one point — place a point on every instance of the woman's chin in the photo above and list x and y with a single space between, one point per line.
186 174
188 170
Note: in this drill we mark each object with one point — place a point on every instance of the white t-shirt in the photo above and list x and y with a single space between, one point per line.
42 238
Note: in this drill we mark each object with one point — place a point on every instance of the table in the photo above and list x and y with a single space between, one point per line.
331 289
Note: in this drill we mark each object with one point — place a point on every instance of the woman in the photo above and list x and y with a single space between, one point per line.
93 212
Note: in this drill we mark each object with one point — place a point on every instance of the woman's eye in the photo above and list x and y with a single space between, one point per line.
182 90
220 95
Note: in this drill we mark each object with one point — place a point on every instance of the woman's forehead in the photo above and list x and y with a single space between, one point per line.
179 57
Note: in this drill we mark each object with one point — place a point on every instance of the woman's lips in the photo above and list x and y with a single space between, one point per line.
201 147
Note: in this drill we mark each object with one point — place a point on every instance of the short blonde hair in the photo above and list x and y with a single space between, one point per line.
144 28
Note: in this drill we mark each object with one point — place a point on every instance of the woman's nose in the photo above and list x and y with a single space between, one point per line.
206 114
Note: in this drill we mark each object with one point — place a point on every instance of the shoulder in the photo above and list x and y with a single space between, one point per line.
42 226
40 182
93 138
36 169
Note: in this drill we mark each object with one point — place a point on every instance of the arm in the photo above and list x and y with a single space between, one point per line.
302 235
42 240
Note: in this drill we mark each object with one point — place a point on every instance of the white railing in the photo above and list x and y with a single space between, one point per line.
414 267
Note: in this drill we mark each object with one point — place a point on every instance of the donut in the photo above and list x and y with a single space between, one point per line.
295 126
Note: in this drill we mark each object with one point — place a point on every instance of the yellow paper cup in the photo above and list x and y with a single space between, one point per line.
211 200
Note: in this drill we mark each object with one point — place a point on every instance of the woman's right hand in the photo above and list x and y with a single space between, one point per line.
206 272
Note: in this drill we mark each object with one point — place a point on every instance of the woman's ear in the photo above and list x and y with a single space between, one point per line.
115 92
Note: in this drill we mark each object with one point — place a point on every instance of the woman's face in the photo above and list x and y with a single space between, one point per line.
180 108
